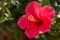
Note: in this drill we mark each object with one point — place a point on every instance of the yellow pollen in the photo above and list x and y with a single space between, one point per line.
31 18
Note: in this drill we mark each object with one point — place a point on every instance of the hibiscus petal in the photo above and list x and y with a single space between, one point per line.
33 8
23 22
47 11
46 25
32 32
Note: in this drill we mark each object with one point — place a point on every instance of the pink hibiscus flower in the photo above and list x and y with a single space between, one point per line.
37 19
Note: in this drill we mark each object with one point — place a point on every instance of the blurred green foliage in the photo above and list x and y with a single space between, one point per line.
11 10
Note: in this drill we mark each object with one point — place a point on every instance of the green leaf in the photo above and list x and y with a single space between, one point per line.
2 29
54 21
57 10
45 2
52 3
16 34
53 33
2 19
8 12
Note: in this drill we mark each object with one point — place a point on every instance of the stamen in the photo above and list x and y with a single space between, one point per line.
31 18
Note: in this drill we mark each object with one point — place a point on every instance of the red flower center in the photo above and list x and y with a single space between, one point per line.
39 23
